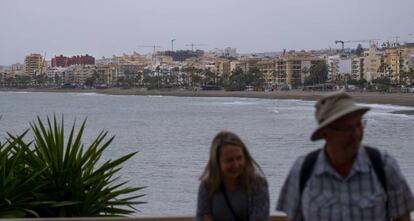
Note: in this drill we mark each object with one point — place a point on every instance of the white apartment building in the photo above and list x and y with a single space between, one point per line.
410 62
234 65
68 75
106 74
230 52
80 74
211 66
17 67
339 67
306 65
104 61
55 75
357 68
222 67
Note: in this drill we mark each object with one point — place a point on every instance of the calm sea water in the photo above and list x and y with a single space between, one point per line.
173 134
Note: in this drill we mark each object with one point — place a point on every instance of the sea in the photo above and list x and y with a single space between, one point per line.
173 135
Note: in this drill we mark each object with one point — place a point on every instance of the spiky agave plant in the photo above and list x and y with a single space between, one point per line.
74 183
17 182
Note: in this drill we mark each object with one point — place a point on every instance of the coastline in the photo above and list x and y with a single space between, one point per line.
402 99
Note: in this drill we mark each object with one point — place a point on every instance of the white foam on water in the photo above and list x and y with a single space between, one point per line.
89 94
17 92
239 103
275 111
230 103
390 114
388 106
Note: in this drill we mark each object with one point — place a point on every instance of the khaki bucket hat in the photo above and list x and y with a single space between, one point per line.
332 107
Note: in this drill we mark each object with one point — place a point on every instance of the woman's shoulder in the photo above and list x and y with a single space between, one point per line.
259 183
205 188
202 186
260 179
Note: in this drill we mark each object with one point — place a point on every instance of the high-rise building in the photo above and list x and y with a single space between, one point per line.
358 67
397 60
372 61
33 64
230 52
292 69
340 68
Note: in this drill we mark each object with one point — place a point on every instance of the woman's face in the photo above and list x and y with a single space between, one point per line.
232 161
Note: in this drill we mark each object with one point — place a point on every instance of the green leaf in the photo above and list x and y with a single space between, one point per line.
55 175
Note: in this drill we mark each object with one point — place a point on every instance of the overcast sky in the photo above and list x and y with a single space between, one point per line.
108 27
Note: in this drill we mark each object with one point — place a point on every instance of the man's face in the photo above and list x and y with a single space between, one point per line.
344 135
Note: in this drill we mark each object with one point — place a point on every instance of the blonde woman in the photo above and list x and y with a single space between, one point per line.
232 185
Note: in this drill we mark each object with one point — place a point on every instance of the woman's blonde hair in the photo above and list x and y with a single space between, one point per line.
211 176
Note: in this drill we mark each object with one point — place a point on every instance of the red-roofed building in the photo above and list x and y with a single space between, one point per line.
63 61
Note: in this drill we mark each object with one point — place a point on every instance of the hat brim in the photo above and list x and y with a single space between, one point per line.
316 135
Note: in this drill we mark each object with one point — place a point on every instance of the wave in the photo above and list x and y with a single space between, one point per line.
390 114
89 94
239 103
17 92
387 106
296 108
227 102
295 100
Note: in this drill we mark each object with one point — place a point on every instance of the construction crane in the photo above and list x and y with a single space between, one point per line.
42 64
396 38
150 46
172 44
153 52
391 44
192 45
353 41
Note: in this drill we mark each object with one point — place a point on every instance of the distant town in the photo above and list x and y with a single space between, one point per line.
386 67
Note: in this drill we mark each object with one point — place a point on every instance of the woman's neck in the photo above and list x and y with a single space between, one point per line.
231 183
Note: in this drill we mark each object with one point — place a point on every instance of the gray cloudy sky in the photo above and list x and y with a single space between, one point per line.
107 27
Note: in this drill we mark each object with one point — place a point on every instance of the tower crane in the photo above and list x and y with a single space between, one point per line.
153 52
172 44
353 41
192 45
150 46
42 64
396 38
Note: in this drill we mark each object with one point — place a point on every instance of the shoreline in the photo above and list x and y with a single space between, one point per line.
402 99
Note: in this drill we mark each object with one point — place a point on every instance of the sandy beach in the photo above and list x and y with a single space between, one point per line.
403 99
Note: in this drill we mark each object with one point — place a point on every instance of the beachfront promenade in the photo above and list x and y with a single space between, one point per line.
403 99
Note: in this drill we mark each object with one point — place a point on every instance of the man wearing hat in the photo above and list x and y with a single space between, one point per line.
344 180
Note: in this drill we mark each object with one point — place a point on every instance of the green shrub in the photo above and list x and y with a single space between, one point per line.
17 182
63 179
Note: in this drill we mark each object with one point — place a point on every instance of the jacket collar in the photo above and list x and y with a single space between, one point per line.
361 164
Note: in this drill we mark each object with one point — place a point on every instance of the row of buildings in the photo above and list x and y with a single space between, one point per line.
288 68
373 63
